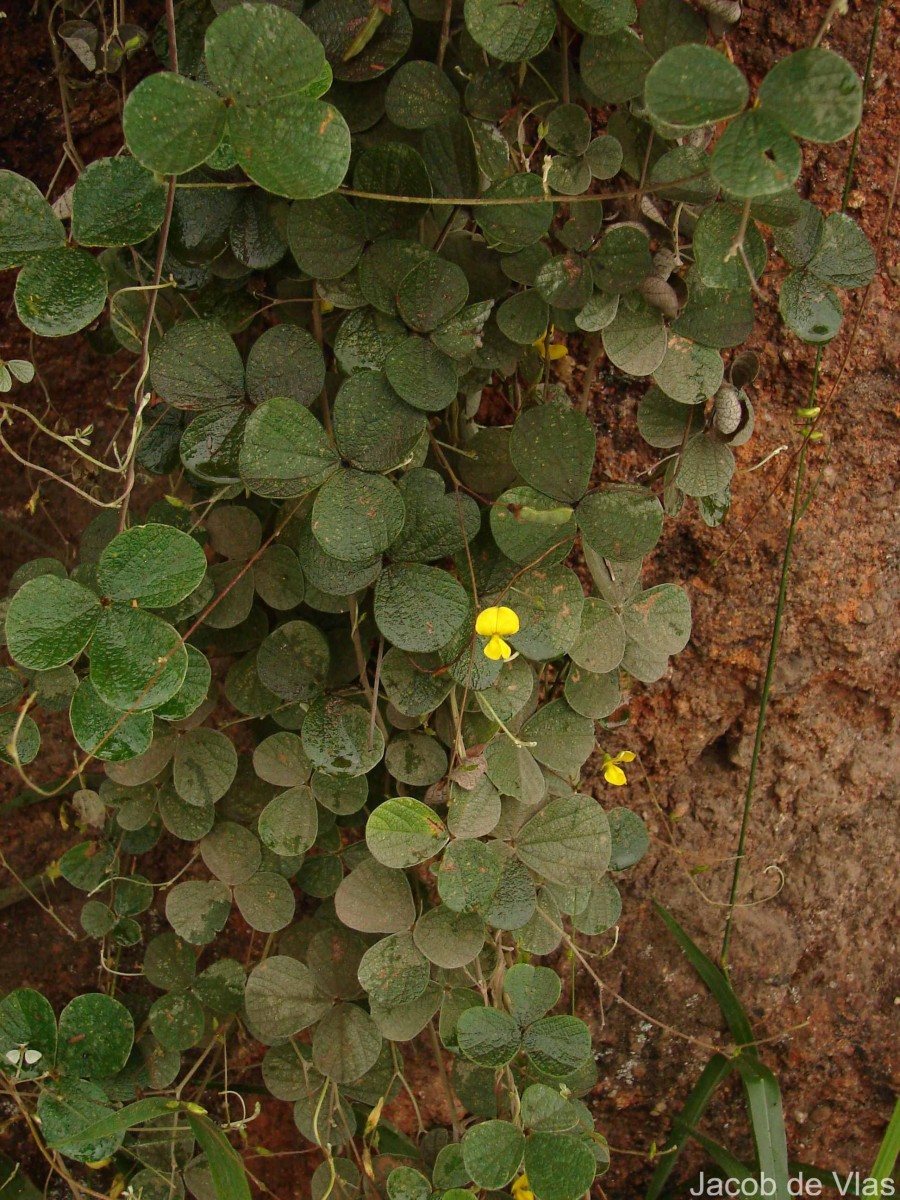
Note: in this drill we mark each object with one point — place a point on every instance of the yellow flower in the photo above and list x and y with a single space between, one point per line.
549 350
521 1190
493 622
612 772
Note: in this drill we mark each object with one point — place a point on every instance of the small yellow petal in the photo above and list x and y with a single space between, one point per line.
486 622
521 1190
614 775
625 756
555 351
507 621
497 648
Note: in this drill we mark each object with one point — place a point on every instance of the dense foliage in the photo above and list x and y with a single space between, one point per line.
347 245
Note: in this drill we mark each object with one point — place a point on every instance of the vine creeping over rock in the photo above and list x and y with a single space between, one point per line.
347 245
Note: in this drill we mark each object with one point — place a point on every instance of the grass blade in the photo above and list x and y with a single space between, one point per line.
716 981
127 1118
886 1160
714 1073
767 1122
724 1159
225 1165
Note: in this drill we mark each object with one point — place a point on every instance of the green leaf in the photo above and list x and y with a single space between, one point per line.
346 1043
565 740
374 429
511 33
706 468
660 619
689 373
548 601
629 838
513 226
524 316
390 169
420 95
487 1036
96 1034
197 910
602 911
622 522
291 146
718 265
468 875
280 759
604 157
289 824
197 366
26 1019
667 23
375 899
693 85
844 255
404 1183
69 1107
256 53
282 999
416 758
169 963
420 608
211 443
50 621
325 236
601 641
513 771
27 222
552 447
336 737
811 307
492 1152
531 527
293 661
394 971
614 67
718 317
546 1109
622 260
360 43
558 1167
285 451
205 766
266 901
530 992
816 93
798 242
285 361
231 852
137 660
437 523
60 291
356 515
635 341
448 151
403 832
755 156
422 375
106 732
449 939
432 292
278 578
177 1021
154 565
116 202
567 842
592 695
557 1046
172 124
225 1166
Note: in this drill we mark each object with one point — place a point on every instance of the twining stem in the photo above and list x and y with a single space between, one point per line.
767 682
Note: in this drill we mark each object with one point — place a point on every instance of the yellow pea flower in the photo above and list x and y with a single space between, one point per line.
492 623
550 350
521 1190
612 772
